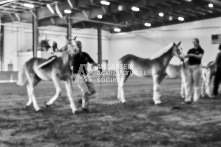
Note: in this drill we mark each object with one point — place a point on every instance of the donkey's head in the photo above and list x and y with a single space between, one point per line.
177 51
71 46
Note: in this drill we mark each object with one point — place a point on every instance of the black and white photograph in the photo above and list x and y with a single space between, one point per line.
110 73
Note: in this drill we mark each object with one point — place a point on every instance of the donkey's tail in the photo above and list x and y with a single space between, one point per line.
22 79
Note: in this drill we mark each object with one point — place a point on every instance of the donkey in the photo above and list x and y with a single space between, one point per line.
141 67
176 71
54 69
208 72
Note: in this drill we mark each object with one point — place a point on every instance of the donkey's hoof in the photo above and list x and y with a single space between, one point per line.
124 102
47 106
27 107
38 110
158 103
83 110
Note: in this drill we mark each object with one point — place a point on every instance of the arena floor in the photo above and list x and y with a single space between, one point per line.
110 124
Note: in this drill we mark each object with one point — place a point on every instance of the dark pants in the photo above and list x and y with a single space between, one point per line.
217 81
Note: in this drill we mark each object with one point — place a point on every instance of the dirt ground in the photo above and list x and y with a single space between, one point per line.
110 124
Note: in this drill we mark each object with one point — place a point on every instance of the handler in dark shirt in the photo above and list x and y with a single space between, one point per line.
79 64
193 72
217 78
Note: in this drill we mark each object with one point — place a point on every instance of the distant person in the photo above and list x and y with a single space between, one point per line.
217 78
79 64
55 46
193 72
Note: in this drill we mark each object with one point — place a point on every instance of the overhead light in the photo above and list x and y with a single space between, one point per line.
120 8
136 9
117 30
99 16
103 2
180 18
29 5
161 14
170 18
6 1
189 0
210 5
147 24
67 11
50 8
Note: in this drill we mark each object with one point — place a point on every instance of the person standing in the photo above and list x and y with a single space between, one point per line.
55 46
193 72
217 78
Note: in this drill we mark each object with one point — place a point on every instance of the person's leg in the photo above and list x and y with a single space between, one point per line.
197 80
84 85
90 86
189 84
216 82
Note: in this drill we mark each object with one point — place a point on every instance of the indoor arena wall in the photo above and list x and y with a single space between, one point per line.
145 43
18 42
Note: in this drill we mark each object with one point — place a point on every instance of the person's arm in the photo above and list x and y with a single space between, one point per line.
195 56
189 54
90 60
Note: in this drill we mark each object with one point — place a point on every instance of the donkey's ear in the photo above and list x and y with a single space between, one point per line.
75 38
179 43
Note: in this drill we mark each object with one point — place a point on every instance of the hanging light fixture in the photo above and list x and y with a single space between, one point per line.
117 30
99 16
67 11
136 9
180 18
161 14
210 5
28 5
104 2
147 24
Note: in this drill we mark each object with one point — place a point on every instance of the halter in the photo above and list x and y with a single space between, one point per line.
179 53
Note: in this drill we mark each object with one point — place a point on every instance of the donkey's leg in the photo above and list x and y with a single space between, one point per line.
121 95
156 89
183 87
203 88
207 86
123 79
58 91
32 81
118 76
31 88
29 97
68 85
36 81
